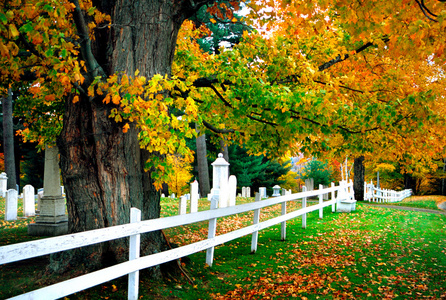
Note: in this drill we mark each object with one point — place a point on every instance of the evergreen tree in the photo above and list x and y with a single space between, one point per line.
319 171
225 31
255 170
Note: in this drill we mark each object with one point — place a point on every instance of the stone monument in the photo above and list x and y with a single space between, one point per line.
220 172
52 220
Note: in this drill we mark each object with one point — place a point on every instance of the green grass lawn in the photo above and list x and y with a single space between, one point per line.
426 202
373 252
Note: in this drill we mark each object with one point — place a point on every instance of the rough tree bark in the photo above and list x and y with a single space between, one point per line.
102 167
358 179
8 141
202 166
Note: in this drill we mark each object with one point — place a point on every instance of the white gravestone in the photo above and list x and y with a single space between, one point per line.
262 192
52 219
248 192
309 183
3 184
11 205
224 193
39 197
194 196
29 202
182 210
244 192
232 190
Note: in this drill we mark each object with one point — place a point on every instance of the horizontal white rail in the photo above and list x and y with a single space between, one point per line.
26 250
83 282
16 252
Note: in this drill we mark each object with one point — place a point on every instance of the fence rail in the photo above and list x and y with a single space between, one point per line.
374 194
26 250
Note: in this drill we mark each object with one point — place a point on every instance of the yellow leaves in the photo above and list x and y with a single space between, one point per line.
126 128
76 99
213 20
13 32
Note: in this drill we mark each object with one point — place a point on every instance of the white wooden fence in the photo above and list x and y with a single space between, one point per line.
373 194
26 250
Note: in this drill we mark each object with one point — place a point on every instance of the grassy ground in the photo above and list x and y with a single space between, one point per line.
427 202
372 253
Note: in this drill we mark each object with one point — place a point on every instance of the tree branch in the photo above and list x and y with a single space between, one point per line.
215 129
93 68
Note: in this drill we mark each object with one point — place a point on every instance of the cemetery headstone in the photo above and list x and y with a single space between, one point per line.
182 210
248 192
11 205
262 192
39 197
244 192
224 193
52 220
29 202
309 184
232 190
194 196
3 184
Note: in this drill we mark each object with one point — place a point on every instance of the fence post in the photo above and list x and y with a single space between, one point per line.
255 235
333 206
283 225
304 204
212 227
321 200
134 251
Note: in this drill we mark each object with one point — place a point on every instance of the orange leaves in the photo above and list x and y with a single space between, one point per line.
126 128
116 99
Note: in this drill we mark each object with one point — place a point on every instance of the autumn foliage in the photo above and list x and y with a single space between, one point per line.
338 76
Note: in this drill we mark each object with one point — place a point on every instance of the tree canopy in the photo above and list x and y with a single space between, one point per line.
317 75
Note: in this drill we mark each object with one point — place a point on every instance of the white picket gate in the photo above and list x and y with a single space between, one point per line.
26 250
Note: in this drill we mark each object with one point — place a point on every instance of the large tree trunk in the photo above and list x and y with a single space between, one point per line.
202 166
358 179
8 141
410 182
102 167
